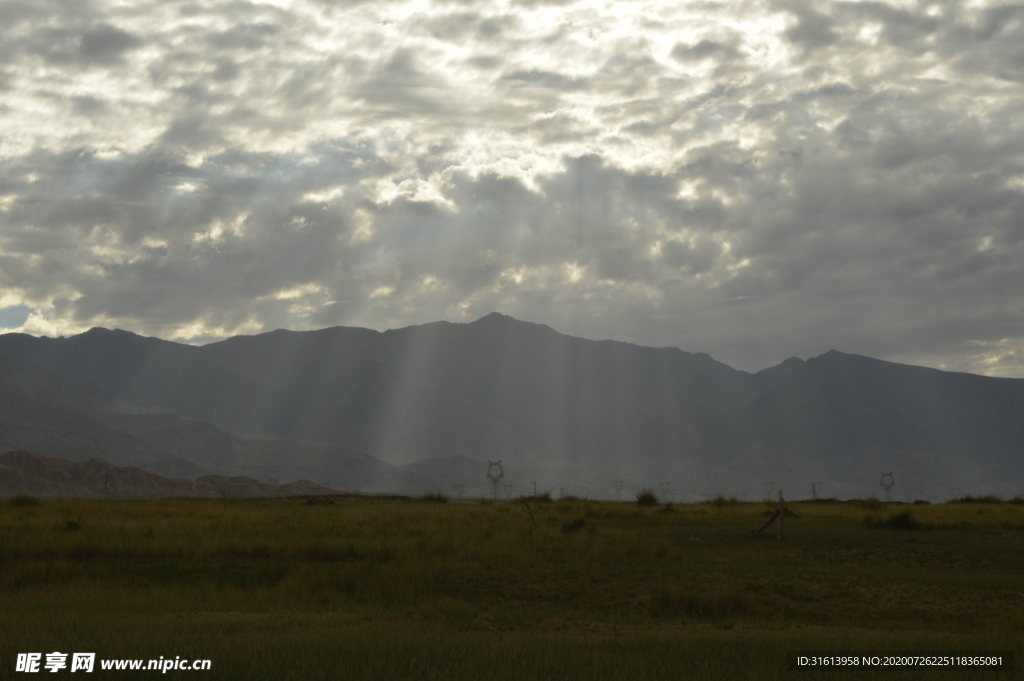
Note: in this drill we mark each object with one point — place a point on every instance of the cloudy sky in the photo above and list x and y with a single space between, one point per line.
751 179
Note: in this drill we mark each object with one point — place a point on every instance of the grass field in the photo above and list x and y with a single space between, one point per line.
370 588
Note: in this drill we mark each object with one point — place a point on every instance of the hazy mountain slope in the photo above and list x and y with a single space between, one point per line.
862 415
845 403
167 443
35 422
268 459
28 473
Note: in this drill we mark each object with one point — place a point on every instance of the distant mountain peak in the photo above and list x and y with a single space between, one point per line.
495 317
850 357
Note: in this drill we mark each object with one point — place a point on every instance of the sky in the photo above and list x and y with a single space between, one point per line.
755 180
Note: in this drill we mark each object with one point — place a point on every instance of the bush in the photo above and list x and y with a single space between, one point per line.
25 500
435 497
987 499
898 521
646 497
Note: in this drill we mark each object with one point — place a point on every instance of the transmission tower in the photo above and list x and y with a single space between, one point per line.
458 489
769 485
495 473
814 490
509 487
618 485
666 490
887 485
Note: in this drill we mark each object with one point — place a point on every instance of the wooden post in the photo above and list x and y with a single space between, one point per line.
782 515
767 523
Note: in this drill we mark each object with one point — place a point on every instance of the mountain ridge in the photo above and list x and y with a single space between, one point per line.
499 388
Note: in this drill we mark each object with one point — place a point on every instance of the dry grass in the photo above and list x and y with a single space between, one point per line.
402 588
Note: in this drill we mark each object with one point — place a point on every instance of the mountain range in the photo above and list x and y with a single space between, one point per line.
423 407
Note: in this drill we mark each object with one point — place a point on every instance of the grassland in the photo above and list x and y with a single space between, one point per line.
367 588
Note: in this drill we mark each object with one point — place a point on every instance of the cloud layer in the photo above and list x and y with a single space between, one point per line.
750 179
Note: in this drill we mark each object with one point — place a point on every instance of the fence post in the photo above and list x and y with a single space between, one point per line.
782 515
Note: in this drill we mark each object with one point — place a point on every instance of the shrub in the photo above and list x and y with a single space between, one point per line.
646 497
25 500
987 499
435 497
897 521
902 521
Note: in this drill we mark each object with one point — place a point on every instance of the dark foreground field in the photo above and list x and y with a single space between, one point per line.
416 589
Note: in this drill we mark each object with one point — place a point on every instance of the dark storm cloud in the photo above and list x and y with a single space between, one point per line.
97 45
105 44
813 29
705 49
992 44
546 79
398 86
